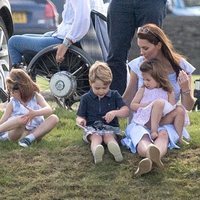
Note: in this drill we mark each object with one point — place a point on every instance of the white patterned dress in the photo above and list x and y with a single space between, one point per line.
19 110
143 114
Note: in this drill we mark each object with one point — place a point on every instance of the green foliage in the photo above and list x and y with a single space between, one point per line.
61 167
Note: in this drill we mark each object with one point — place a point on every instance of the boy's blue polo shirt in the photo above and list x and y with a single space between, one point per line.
93 109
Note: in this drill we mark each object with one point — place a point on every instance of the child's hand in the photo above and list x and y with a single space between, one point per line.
31 114
144 104
109 116
154 135
81 121
24 119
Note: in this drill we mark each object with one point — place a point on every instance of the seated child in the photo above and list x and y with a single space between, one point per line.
25 111
98 113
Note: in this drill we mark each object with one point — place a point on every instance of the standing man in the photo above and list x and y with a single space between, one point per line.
124 17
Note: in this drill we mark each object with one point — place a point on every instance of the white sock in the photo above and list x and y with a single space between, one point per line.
4 137
31 137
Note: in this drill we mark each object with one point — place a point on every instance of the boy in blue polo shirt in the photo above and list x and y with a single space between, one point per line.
98 113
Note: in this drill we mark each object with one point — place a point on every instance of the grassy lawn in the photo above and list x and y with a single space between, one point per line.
61 167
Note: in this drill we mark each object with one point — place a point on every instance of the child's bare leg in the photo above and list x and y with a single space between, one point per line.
96 147
109 138
40 131
13 123
16 134
179 122
156 115
13 128
95 141
46 126
113 146
176 117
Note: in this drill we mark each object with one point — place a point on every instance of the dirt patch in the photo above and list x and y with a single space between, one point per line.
184 32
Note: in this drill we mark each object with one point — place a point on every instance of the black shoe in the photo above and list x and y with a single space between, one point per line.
25 142
19 66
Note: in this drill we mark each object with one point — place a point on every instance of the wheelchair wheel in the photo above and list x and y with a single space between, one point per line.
66 81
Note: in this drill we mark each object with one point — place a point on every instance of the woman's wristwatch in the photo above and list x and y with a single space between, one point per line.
67 42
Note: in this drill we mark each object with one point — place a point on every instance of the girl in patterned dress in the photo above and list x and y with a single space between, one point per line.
154 99
25 111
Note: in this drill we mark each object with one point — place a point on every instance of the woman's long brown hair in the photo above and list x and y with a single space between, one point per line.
156 35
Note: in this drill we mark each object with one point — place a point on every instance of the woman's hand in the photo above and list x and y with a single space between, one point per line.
184 81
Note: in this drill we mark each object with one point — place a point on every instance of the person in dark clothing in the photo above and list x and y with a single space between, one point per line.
124 17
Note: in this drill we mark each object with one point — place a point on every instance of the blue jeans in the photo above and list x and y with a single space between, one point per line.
18 45
124 17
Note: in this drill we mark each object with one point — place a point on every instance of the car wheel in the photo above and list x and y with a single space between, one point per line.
4 57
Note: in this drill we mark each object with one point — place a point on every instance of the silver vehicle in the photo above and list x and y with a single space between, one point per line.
184 7
6 30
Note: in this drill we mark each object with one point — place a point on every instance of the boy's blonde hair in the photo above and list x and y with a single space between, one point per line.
100 71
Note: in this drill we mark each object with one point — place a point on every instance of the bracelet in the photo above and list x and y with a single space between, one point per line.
67 42
186 92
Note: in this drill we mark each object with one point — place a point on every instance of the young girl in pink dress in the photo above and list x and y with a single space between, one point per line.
154 99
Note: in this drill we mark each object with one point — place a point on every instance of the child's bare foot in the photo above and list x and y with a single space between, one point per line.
180 140
185 142
154 135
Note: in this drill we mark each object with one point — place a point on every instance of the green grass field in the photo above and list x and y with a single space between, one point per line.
61 167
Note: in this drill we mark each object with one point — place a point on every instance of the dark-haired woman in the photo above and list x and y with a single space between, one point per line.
154 43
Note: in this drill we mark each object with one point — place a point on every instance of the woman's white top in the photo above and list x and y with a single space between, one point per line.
186 66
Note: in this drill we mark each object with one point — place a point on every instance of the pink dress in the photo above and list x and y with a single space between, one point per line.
143 114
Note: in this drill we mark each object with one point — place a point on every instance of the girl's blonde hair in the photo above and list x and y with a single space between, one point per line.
154 35
21 81
100 71
157 72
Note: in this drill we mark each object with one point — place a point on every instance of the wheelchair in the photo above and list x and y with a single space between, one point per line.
68 81
197 95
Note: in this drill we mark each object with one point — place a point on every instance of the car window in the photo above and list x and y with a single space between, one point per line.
37 1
